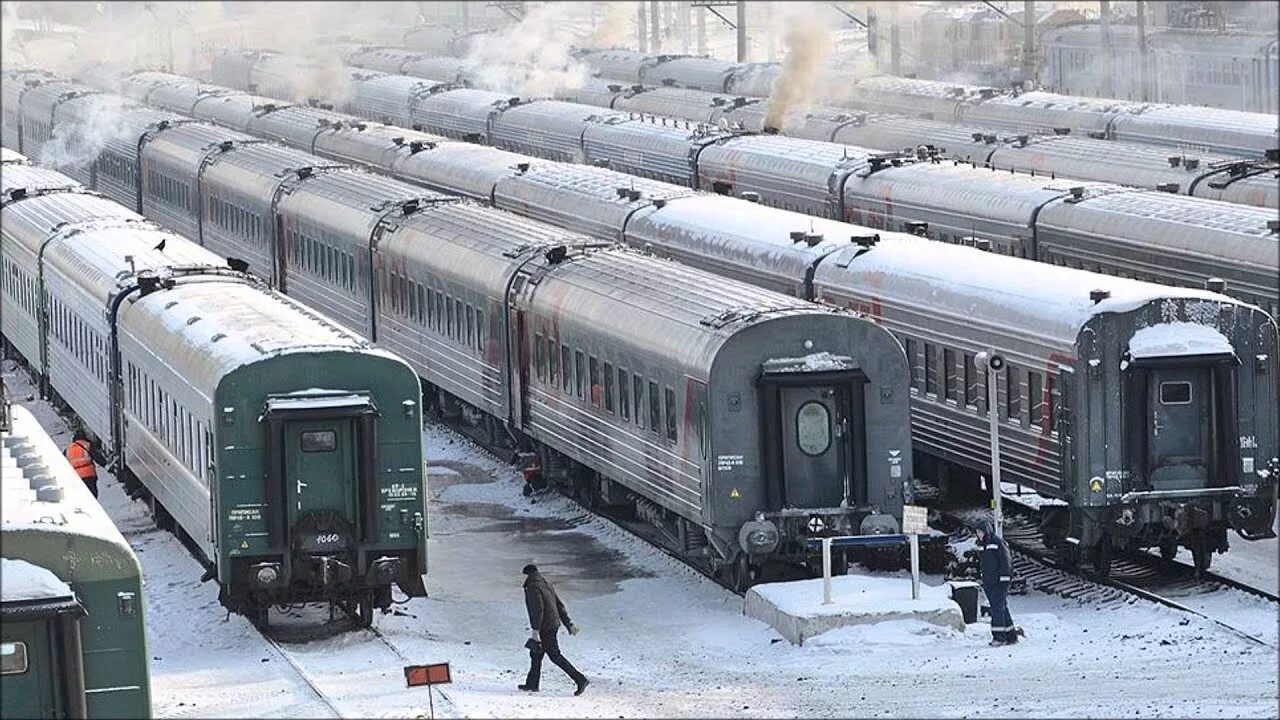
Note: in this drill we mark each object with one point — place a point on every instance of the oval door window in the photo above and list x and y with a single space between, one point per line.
813 428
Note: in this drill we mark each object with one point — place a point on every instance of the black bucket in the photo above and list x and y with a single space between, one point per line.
965 594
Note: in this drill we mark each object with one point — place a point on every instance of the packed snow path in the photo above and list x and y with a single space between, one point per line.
658 639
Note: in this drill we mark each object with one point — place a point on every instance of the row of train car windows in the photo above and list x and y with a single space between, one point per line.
320 258
21 287
35 130
169 191
74 334
434 310
186 436
115 167
236 220
636 399
963 383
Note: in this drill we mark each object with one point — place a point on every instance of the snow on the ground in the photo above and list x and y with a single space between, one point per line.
658 639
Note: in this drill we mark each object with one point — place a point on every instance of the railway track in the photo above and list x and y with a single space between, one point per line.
1132 577
314 678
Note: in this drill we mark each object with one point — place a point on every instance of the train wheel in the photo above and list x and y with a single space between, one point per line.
1168 550
259 615
1102 557
1201 555
744 575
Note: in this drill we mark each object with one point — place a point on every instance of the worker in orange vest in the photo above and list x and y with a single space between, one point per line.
78 455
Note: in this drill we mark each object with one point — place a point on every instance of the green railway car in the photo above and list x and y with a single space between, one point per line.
71 611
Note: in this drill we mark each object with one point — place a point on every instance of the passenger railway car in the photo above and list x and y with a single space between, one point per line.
284 448
831 180
72 643
1231 132
923 292
1242 181
623 378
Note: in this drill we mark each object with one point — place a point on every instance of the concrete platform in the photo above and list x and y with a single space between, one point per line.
796 611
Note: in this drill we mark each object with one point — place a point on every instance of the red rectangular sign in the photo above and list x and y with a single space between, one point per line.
435 674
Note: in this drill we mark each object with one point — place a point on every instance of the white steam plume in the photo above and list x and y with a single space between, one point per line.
530 58
809 44
78 143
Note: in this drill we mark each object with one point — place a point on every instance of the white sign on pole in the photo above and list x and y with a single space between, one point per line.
915 520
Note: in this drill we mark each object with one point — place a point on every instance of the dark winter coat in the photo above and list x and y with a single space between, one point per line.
546 612
995 558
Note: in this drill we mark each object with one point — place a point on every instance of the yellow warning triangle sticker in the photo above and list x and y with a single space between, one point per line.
735 494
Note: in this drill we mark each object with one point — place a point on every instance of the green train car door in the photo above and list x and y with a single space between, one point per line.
320 466
29 672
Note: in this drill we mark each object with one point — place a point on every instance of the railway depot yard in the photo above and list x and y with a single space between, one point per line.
658 639
796 359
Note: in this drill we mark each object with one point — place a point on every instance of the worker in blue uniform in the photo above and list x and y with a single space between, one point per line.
996 575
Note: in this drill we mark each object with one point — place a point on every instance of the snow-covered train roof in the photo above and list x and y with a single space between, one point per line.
41 493
1055 302
20 581
12 157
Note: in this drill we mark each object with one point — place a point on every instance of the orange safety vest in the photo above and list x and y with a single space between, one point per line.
78 454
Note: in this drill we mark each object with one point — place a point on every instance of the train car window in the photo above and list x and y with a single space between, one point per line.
457 311
1012 394
539 357
1175 393
314 441
421 304
448 306
972 383
930 369
580 373
431 309
669 403
440 303
624 395
471 326
655 409
813 428
1035 398
566 362
13 658
608 387
637 386
1051 390
950 385
481 330
912 364
553 365
593 372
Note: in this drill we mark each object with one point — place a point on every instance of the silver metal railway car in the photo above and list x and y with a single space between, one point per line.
461 114
169 357
695 73
825 391
694 105
549 129
667 153
786 252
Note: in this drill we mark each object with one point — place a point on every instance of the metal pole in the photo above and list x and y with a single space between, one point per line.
701 22
655 24
1028 43
895 46
742 31
993 420
826 571
915 566
1142 51
642 25
768 31
1108 50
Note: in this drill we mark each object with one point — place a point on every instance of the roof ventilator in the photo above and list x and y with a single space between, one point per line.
1169 187
865 241
917 227
1077 194
1098 296
1217 285
557 254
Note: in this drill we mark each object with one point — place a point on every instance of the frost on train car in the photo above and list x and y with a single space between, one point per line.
70 589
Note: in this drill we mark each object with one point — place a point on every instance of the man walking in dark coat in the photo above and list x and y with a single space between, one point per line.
546 613
996 574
